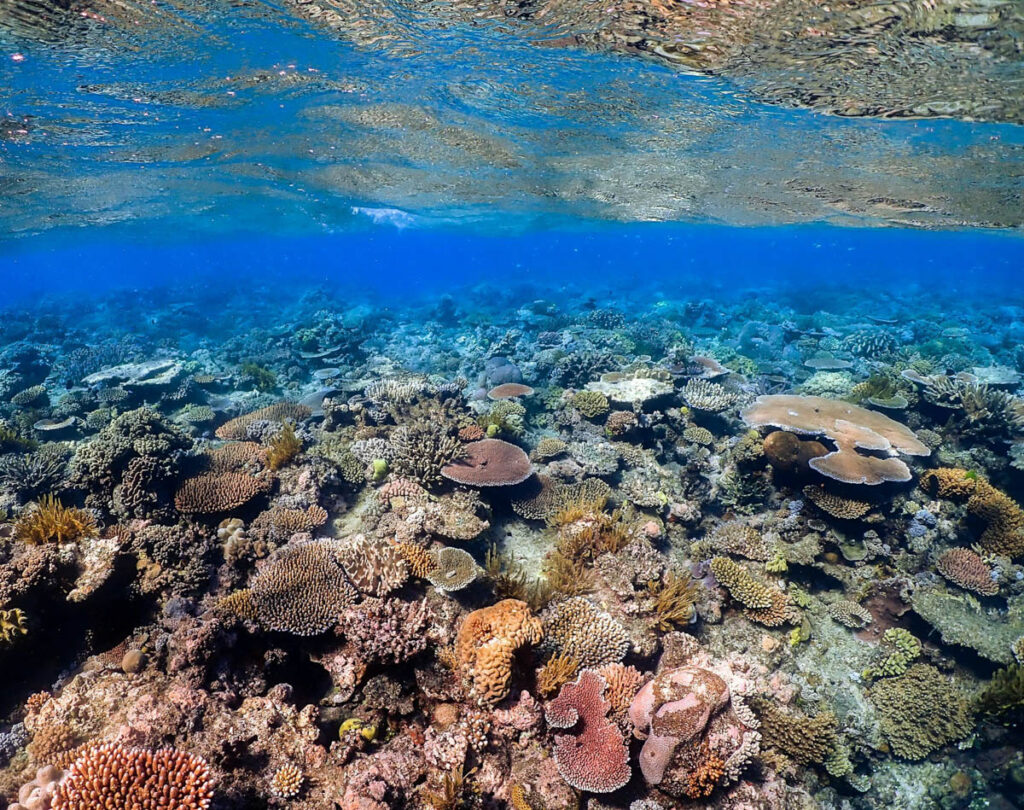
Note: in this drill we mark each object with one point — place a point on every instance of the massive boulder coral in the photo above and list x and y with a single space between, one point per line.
596 757
487 642
695 738
850 428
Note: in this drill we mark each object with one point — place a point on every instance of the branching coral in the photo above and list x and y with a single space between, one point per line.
590 404
281 412
674 597
213 493
284 447
422 449
113 775
50 521
965 568
1003 696
557 671
762 602
577 628
899 648
920 711
804 740
1004 532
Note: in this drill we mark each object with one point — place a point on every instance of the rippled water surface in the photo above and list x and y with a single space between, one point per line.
310 116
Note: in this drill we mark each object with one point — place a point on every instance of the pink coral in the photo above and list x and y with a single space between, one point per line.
965 568
596 758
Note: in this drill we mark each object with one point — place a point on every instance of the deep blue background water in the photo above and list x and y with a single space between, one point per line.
398 263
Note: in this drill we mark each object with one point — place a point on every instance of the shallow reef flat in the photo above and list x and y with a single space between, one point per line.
512 547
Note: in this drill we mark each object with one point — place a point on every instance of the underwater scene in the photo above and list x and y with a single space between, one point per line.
541 405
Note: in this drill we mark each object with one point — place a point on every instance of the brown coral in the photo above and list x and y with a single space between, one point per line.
420 561
836 505
850 428
303 590
556 672
490 463
211 493
287 781
50 521
114 776
804 740
374 567
963 567
238 427
623 684
236 456
487 641
576 627
279 523
1004 532
763 603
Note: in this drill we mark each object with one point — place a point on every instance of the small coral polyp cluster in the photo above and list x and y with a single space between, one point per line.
388 560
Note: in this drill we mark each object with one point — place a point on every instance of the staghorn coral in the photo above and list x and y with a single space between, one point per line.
804 740
1004 532
850 428
596 757
113 775
213 493
287 781
577 628
29 475
453 569
420 561
557 671
674 600
49 521
836 505
421 450
487 641
920 711
302 590
281 412
963 567
284 447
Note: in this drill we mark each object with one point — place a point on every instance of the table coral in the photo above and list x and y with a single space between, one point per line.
850 428
595 758
213 493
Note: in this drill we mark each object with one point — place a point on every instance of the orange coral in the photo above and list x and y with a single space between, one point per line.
558 671
421 563
706 775
487 641
112 775
283 523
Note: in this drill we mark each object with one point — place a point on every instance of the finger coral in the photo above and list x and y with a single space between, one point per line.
112 775
287 781
487 641
963 567
49 521
595 758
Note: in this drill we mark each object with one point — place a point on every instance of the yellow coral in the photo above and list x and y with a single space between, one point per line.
51 521
283 448
674 598
1004 532
12 624
558 671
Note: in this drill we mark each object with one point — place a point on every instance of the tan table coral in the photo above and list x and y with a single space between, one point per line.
850 428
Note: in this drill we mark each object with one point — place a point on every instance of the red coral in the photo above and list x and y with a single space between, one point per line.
596 758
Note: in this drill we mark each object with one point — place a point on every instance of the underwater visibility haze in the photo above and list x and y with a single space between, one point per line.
545 405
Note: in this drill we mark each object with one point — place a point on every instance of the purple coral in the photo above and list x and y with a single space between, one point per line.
595 758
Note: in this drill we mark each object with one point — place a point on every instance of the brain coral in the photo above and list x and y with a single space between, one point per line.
920 711
114 776
302 590
596 757
211 493
963 567
850 428
487 641
282 412
575 627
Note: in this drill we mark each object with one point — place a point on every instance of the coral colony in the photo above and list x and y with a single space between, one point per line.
528 557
